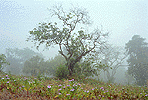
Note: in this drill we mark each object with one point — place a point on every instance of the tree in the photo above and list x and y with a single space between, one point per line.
111 58
16 57
34 66
3 61
129 78
137 50
77 44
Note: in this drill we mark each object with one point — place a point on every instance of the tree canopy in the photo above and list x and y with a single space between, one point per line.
68 34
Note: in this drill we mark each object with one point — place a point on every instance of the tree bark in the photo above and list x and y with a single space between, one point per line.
70 68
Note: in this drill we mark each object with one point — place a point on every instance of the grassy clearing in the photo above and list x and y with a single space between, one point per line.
31 88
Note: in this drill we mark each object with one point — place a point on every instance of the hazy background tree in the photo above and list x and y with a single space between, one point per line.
77 43
34 66
109 59
3 62
16 57
137 50
113 58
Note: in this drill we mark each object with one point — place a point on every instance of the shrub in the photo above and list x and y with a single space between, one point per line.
62 72
84 69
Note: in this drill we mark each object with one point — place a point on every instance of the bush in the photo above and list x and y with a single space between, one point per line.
53 63
84 69
62 72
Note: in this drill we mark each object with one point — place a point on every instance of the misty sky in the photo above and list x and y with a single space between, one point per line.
121 18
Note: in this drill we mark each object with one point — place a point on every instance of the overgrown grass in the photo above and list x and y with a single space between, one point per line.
31 88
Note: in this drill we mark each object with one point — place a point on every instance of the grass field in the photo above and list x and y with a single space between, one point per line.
32 88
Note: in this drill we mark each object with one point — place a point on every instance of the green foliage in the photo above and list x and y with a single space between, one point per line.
3 61
84 69
53 63
81 69
61 72
137 50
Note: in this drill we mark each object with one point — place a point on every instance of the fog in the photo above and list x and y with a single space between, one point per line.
121 18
